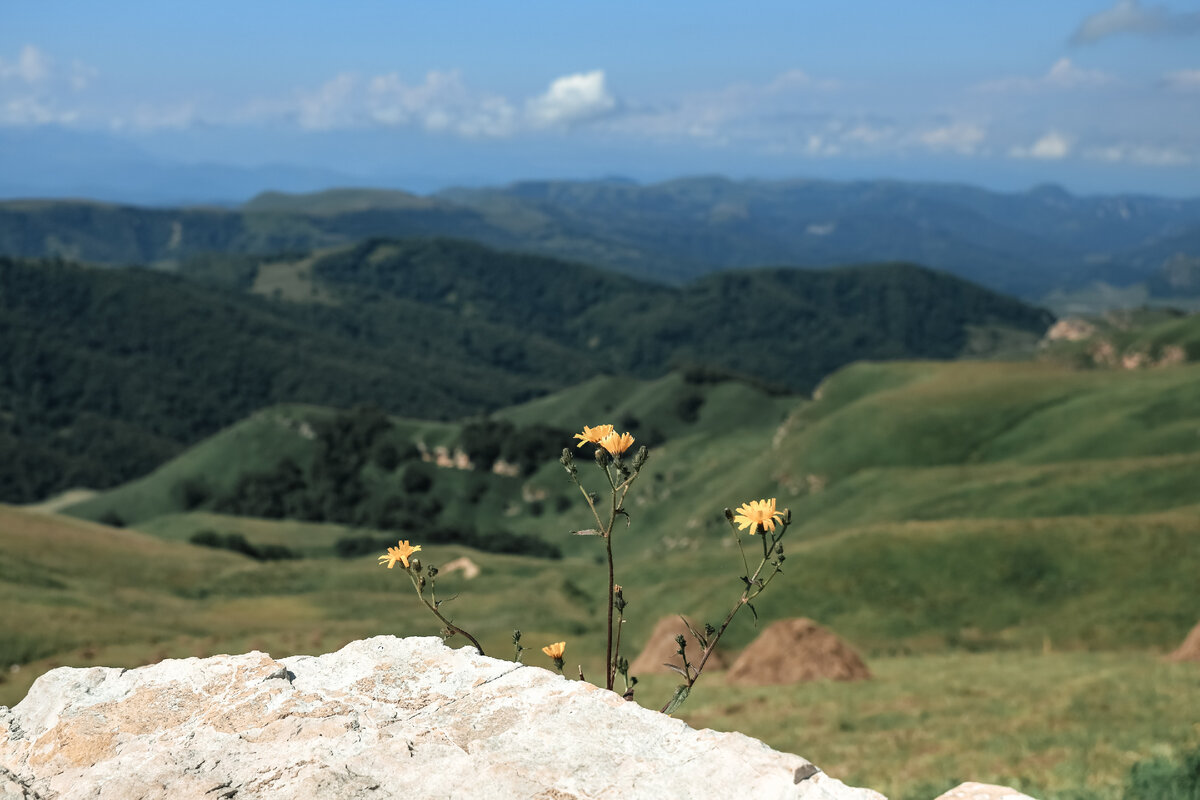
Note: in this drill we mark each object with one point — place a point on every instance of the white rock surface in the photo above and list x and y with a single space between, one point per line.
381 718
982 791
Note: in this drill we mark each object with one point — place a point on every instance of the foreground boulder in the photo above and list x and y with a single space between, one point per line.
380 718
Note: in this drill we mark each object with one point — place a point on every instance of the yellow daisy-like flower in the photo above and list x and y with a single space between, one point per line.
399 553
617 444
757 513
555 650
593 435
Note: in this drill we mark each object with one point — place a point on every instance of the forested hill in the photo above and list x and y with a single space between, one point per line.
109 372
1028 244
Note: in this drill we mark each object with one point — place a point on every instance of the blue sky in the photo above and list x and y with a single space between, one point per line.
1099 95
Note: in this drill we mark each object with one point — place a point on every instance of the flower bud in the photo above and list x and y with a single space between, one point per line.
682 642
602 457
640 457
729 515
421 584
414 564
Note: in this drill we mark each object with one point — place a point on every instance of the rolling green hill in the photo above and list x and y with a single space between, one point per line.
111 372
991 536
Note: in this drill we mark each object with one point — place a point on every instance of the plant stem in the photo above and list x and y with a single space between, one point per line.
449 625
749 593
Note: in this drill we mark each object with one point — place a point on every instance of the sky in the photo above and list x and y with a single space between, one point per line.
1100 96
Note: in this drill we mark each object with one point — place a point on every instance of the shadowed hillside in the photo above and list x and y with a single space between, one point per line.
112 371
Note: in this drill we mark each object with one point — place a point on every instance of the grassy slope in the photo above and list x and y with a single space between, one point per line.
1002 511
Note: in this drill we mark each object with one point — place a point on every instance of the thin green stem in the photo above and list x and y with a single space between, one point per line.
752 591
609 669
449 625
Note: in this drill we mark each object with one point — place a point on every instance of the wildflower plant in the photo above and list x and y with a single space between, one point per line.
757 518
402 554
609 458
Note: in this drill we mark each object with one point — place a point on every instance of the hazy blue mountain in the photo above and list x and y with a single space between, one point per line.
1028 244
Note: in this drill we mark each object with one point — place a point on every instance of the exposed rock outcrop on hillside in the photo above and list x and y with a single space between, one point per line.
381 718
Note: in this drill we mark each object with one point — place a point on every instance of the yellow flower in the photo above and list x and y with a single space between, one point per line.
616 444
757 513
593 435
399 553
555 650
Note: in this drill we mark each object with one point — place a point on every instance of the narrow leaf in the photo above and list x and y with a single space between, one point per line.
677 669
681 694
588 532
703 642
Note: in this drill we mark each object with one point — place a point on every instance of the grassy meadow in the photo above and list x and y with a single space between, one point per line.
1013 548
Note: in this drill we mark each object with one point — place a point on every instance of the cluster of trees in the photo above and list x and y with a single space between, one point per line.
527 447
237 543
359 473
109 372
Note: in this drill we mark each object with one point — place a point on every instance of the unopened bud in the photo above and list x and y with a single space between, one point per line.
421 583
640 457
432 571
682 642
729 514
602 457
415 564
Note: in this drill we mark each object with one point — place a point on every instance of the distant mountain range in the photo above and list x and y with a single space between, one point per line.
107 372
1032 244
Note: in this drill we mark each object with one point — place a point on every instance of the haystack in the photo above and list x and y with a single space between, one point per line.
1190 649
661 649
795 650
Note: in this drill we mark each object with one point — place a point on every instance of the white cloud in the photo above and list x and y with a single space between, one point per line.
1130 16
1051 147
570 99
1182 80
441 103
1062 75
957 137
31 66
777 115
147 117
81 75
32 88
22 111
799 79
1143 155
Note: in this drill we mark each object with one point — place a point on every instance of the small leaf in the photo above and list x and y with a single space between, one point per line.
677 669
755 613
588 532
681 694
703 641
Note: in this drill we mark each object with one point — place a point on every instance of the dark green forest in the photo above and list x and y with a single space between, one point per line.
107 373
